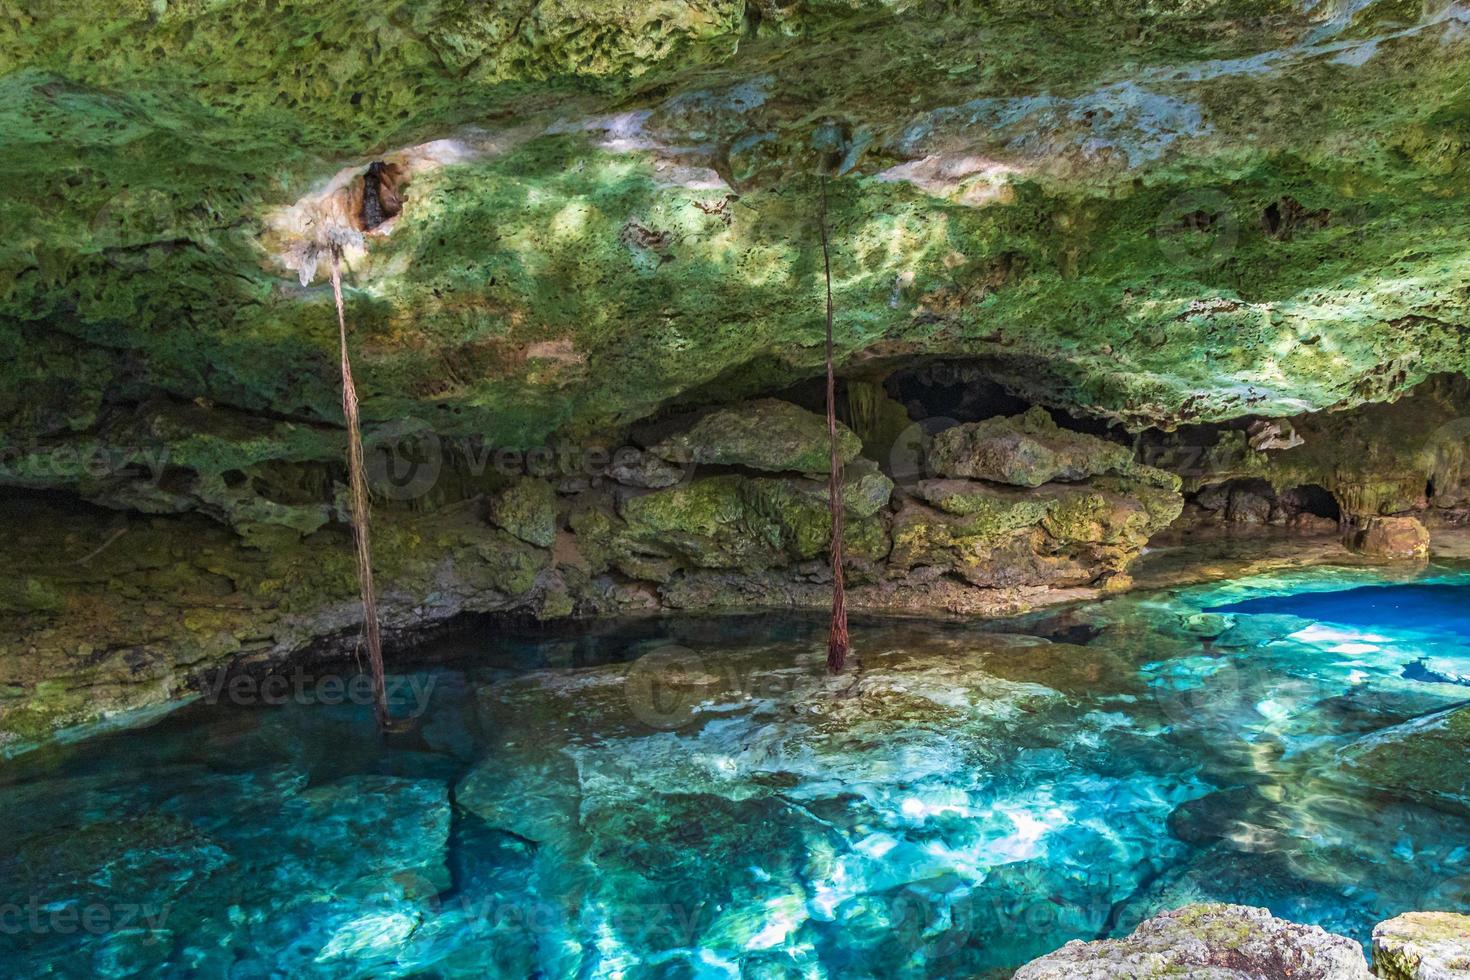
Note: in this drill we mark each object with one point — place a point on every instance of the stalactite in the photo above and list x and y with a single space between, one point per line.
837 639
862 409
361 531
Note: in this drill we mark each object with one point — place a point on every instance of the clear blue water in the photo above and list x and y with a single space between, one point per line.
1441 606
695 798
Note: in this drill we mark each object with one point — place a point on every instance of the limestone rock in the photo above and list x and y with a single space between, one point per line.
527 509
735 521
633 468
1424 759
1391 537
1208 942
1024 450
768 434
1423 946
989 506
1056 534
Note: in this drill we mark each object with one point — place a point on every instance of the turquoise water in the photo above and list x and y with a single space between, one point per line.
695 798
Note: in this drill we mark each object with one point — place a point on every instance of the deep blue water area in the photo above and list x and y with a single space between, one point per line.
1414 606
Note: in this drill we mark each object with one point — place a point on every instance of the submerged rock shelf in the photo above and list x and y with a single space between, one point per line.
698 796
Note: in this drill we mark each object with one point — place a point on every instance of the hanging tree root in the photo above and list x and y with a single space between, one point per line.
837 639
361 530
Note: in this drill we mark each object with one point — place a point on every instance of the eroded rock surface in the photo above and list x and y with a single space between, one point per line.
1391 537
1174 213
768 434
1208 942
1025 451
1422 946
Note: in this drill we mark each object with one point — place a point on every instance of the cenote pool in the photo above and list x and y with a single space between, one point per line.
695 798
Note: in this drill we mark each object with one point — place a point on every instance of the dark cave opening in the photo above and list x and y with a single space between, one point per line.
945 390
1315 499
935 394
1253 501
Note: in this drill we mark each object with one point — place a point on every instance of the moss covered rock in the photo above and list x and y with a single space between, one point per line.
1054 534
1422 946
750 523
768 434
527 509
1025 451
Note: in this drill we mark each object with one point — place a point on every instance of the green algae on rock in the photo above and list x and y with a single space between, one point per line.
1025 451
527 509
1053 184
1422 946
768 434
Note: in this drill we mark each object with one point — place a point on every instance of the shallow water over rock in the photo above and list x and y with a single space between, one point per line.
697 798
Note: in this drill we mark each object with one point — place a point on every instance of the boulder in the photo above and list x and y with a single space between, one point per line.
1423 946
1216 815
989 507
1248 506
752 523
633 468
1208 942
1024 450
1390 537
768 434
527 509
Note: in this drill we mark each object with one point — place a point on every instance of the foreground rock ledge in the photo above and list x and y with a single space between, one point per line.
1423 946
1208 942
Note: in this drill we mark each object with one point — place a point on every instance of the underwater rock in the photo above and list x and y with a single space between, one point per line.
1024 450
767 434
1423 759
1422 946
768 806
374 835
527 509
1390 537
1208 942
1214 816
151 858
